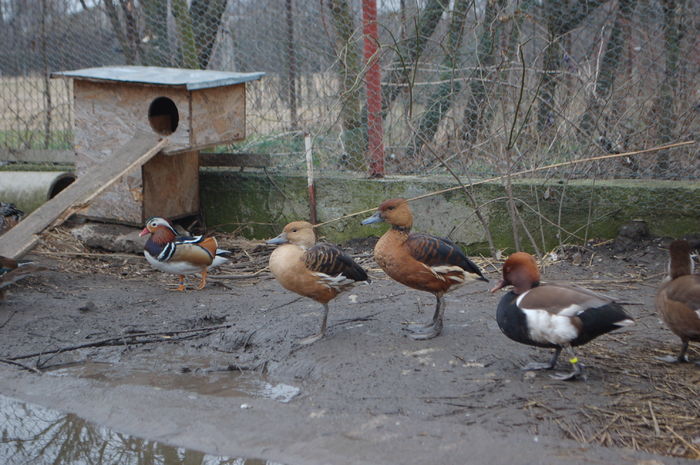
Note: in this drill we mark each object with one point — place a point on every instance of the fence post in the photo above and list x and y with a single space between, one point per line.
310 177
375 134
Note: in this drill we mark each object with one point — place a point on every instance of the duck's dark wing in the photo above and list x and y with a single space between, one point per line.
437 251
329 259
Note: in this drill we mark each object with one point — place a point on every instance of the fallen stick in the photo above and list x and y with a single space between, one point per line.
21 365
120 340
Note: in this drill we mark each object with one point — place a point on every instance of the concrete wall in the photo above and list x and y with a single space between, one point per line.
258 206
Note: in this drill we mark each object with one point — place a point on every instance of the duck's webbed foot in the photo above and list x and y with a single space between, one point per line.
427 332
680 358
420 327
673 359
577 372
180 284
532 366
311 339
321 332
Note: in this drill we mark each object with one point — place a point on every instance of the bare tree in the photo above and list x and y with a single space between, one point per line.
561 17
442 98
349 68
474 113
197 27
408 52
608 67
673 33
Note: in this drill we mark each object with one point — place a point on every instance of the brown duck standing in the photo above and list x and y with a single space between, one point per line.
318 271
678 299
421 261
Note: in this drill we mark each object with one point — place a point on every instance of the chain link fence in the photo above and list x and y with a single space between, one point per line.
479 87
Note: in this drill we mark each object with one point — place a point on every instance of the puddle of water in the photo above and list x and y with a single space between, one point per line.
30 434
221 384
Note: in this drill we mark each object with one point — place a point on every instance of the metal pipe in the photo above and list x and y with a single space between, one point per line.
28 190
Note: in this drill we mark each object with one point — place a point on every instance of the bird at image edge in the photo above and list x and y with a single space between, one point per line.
12 271
319 271
678 299
560 316
421 261
9 216
180 255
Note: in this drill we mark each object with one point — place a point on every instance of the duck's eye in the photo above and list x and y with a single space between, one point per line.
390 208
294 230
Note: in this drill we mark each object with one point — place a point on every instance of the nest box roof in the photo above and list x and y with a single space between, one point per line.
191 79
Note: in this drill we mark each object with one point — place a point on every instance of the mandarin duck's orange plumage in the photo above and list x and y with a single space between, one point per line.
560 316
318 271
12 271
678 299
420 261
166 251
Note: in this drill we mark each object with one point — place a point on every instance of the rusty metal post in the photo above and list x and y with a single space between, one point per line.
375 133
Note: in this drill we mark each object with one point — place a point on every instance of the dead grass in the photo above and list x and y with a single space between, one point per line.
653 406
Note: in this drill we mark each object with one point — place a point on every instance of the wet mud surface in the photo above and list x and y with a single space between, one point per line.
223 343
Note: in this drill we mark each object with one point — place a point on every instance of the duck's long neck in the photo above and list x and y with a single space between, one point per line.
392 240
680 266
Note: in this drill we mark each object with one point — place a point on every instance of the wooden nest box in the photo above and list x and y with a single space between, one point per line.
192 109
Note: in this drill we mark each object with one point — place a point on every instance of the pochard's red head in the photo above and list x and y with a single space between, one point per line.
519 271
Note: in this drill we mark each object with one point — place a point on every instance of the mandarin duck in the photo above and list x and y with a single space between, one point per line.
678 299
12 271
560 316
420 261
9 216
319 271
166 251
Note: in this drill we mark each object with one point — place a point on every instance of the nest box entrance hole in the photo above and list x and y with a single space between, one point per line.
163 116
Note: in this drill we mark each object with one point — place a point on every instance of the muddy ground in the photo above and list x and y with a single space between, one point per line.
162 364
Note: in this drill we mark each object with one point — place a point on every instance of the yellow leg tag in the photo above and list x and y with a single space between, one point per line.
573 360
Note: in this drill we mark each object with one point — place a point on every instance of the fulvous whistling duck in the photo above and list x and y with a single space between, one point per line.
318 271
678 299
180 255
420 261
560 316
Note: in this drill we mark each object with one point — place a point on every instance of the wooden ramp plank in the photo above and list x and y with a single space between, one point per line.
136 152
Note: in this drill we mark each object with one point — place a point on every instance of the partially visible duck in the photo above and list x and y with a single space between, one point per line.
166 251
420 261
9 216
318 271
560 316
678 299
12 271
